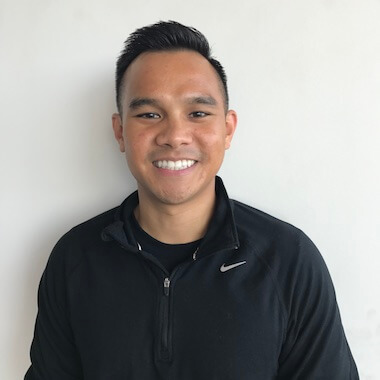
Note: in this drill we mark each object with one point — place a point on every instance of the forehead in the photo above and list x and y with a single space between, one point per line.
171 73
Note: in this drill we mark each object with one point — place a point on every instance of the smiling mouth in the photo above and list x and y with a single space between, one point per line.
174 165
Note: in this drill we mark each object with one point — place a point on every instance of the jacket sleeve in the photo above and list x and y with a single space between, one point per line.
53 352
315 347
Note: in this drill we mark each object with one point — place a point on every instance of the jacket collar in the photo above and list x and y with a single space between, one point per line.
221 233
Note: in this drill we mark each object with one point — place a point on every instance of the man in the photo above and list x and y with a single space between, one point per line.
180 282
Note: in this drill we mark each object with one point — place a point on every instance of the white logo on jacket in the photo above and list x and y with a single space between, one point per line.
225 268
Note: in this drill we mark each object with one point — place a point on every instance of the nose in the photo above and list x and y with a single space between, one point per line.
173 132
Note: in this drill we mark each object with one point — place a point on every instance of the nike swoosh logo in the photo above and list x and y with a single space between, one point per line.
225 268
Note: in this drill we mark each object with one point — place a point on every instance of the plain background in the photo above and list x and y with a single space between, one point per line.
304 77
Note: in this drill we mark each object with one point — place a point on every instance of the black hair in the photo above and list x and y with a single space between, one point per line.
164 36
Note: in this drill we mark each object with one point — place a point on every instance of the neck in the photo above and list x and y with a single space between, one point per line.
175 224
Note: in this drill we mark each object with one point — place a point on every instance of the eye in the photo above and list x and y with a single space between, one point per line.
148 115
197 114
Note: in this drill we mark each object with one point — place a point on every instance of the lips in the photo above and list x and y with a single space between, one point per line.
174 165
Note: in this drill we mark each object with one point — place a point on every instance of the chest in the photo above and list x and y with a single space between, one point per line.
200 323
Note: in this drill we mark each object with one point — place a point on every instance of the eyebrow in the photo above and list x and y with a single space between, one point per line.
139 102
208 100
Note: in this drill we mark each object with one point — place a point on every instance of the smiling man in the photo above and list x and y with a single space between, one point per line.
180 282
174 128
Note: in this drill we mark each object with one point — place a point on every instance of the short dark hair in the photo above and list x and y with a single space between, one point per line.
165 36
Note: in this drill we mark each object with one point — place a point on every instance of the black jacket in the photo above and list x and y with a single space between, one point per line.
108 311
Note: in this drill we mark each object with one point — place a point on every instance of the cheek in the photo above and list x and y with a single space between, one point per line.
212 140
137 144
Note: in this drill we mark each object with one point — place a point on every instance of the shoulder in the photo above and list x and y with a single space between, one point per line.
287 252
262 229
81 239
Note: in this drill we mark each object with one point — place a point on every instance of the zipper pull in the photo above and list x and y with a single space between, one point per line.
195 253
166 286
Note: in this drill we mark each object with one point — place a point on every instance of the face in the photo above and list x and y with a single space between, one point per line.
174 129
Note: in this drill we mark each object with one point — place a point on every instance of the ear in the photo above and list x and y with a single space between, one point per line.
117 126
231 123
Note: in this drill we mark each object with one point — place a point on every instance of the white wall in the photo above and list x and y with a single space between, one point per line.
305 79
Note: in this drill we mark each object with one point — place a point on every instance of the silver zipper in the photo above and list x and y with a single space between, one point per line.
195 253
166 286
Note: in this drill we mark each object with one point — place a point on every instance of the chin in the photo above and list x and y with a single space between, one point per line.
173 197
175 193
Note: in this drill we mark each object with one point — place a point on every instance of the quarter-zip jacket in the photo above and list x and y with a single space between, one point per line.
255 302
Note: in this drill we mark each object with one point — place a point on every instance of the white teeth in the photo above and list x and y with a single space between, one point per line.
174 165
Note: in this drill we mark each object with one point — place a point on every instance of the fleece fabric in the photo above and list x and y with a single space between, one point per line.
255 302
